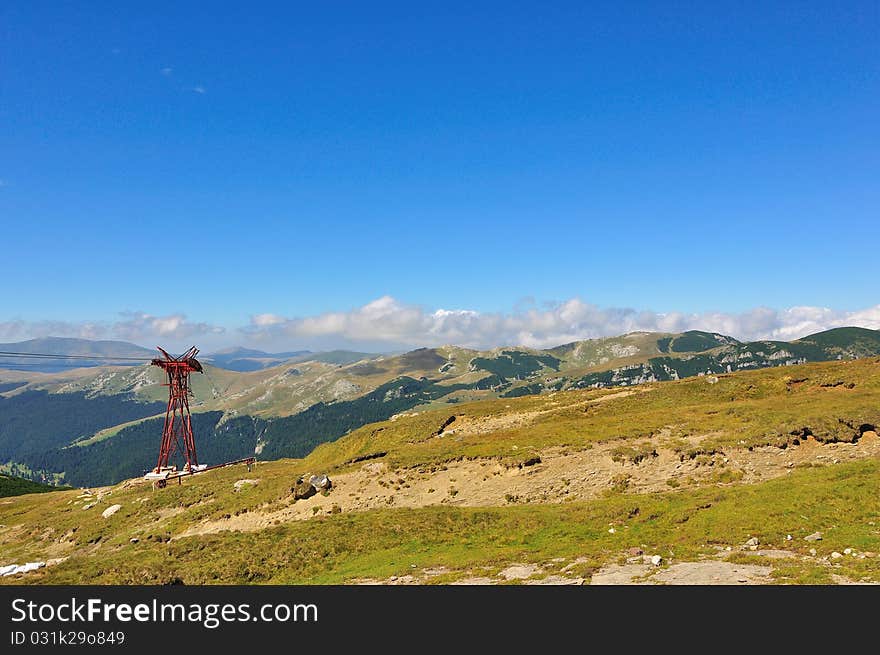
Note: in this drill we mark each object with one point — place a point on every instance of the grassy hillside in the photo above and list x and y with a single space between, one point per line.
848 342
285 411
13 486
775 455
831 401
379 544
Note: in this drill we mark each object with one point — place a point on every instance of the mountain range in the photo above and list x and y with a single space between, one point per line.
102 351
90 354
101 424
752 477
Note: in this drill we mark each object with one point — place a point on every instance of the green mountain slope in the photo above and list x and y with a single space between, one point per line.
848 342
13 486
556 488
286 410
247 359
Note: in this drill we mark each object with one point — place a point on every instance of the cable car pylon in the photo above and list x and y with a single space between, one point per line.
177 432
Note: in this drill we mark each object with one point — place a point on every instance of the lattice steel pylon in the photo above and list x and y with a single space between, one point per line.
177 434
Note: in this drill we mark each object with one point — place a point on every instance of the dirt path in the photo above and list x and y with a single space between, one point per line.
560 475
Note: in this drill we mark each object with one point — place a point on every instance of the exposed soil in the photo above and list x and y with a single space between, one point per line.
684 573
558 475
713 569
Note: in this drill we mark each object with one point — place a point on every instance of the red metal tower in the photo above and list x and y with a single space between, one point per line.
177 433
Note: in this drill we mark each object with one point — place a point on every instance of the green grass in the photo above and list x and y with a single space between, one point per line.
512 364
744 409
694 341
770 406
846 338
316 402
839 500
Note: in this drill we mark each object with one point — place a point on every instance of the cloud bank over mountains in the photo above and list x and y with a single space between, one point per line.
388 324
387 320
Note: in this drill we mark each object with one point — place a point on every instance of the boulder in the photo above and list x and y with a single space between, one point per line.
110 511
816 536
656 560
303 489
239 484
752 542
320 482
836 555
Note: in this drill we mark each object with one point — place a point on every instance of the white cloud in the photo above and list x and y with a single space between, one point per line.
390 323
387 324
18 329
139 327
167 71
264 320
198 89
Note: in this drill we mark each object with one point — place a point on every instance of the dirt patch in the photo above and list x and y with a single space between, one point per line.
556 580
712 573
617 574
842 580
559 475
527 574
770 553
683 573
519 571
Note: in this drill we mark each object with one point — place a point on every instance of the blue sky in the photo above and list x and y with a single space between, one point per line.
273 166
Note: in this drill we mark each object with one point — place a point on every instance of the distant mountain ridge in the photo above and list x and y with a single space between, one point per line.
246 359
233 359
94 426
101 350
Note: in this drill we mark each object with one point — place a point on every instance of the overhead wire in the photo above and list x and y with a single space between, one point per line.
88 357
13 366
6 355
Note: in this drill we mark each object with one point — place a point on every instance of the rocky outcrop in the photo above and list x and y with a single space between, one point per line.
320 482
306 487
302 489
110 511
241 484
